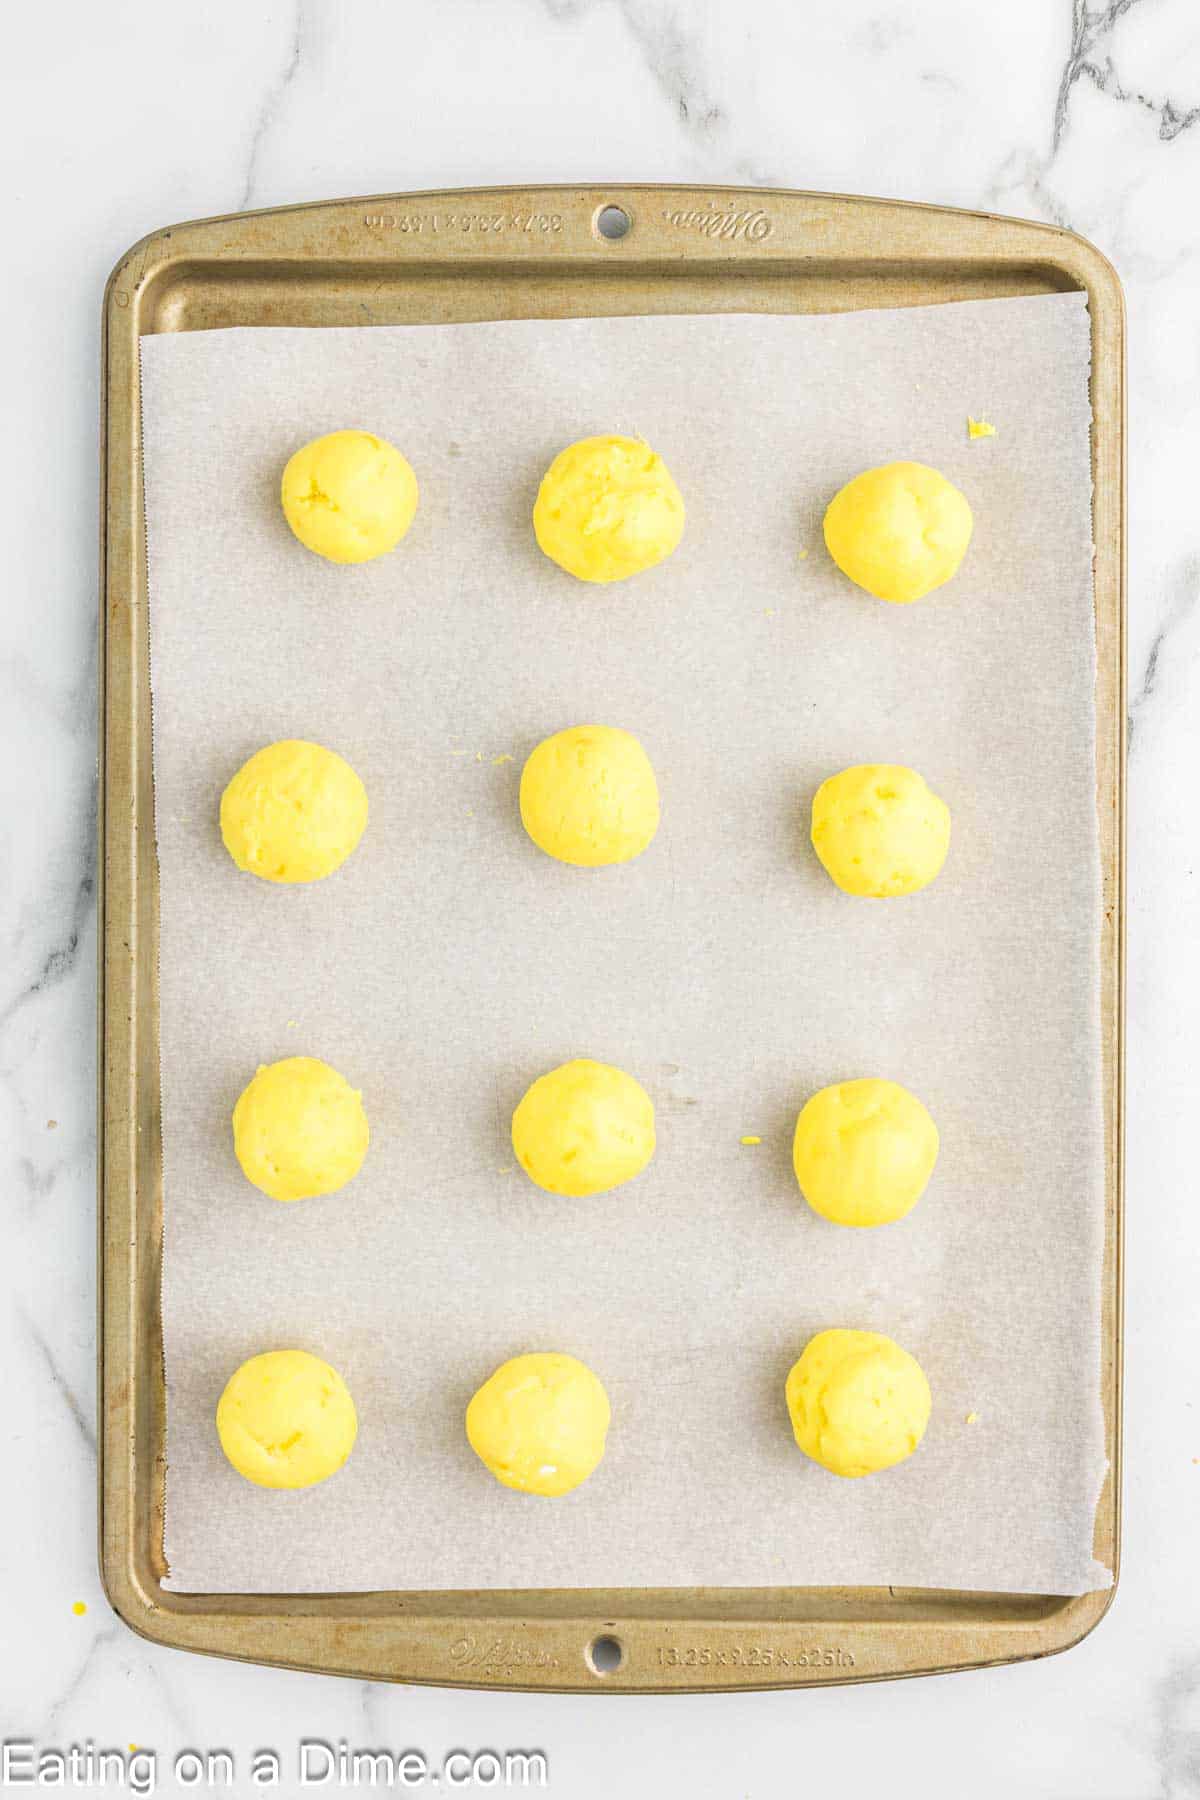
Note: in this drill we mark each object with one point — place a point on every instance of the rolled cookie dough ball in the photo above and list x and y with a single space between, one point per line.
863 1152
286 1420
293 813
858 1402
349 496
589 797
299 1129
607 508
583 1128
879 831
898 531
539 1423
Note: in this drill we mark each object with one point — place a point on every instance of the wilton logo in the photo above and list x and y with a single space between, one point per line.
726 221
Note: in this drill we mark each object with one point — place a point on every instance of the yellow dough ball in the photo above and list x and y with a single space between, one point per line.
863 1152
539 1423
286 1420
584 1128
898 531
293 813
299 1129
349 496
858 1402
879 830
589 797
607 508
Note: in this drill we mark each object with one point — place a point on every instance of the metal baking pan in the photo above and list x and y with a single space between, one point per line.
508 253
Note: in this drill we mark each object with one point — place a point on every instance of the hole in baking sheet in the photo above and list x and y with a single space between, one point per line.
604 1655
612 222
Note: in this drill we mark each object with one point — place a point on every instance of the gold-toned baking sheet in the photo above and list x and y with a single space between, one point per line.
456 257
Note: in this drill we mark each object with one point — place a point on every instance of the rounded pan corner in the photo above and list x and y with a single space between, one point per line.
140 1602
139 270
1100 270
137 253
134 1606
1078 1619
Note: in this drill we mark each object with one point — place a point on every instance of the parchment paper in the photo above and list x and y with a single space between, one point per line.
449 962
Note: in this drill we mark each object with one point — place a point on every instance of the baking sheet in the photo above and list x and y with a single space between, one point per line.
448 962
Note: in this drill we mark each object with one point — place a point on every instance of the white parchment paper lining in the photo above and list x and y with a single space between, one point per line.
449 962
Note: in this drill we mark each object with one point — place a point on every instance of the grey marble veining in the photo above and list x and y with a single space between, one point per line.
117 120
274 98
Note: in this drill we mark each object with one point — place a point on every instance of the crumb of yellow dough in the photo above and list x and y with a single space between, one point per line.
539 1423
505 756
972 1418
979 428
898 531
299 1129
293 813
286 1420
588 796
583 1128
863 1152
350 496
750 1139
79 1608
879 831
858 1402
801 555
607 508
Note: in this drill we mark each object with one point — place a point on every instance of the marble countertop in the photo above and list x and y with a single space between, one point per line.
121 118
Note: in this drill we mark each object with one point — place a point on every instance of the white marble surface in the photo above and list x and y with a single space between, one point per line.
116 119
